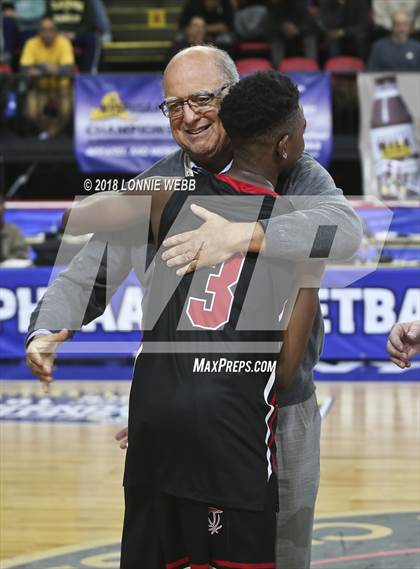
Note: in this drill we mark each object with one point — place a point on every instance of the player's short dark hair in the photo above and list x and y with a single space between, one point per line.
260 105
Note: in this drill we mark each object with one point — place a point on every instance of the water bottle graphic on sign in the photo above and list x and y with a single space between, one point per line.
394 145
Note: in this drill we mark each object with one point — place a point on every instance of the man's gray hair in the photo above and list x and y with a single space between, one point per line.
227 65
223 60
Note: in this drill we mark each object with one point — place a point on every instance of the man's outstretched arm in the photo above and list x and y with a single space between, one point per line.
76 297
323 224
84 283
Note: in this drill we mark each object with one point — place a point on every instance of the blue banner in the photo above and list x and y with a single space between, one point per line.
119 326
315 96
118 125
357 318
34 221
119 128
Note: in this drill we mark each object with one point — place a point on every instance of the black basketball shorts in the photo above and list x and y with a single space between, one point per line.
168 532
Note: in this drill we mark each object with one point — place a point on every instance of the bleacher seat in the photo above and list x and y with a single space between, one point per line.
252 64
298 64
254 48
344 64
5 69
142 33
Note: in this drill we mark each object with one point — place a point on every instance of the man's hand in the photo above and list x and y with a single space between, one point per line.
334 35
290 30
404 343
122 436
213 242
52 68
34 72
40 355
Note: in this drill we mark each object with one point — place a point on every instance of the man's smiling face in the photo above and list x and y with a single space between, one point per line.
199 134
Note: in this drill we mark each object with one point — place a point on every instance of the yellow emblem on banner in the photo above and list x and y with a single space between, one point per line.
156 18
111 106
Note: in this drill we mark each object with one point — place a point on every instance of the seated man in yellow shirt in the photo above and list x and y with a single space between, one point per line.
47 59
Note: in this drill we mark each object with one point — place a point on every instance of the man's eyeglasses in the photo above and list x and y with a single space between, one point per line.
198 102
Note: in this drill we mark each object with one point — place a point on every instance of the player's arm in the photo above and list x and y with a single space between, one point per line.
295 338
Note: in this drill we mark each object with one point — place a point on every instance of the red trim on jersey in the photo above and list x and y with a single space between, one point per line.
245 187
271 443
178 563
233 565
271 422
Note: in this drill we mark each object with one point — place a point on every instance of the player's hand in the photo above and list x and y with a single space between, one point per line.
122 437
404 343
213 242
41 353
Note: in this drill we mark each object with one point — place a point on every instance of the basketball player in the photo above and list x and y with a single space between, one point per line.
204 143
404 343
219 458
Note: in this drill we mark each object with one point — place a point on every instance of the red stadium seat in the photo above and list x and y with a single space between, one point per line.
5 69
252 64
254 47
340 64
298 64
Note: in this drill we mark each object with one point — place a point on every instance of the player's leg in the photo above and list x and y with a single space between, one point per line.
184 532
298 449
141 544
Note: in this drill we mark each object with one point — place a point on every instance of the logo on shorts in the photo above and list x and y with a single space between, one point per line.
215 525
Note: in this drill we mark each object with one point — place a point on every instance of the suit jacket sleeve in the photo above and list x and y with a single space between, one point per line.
82 291
323 225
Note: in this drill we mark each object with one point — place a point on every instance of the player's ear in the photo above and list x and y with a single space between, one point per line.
282 147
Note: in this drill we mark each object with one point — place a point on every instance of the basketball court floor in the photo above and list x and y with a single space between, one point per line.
61 470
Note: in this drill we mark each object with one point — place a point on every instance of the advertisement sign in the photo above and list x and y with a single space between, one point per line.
118 125
390 134
357 318
315 96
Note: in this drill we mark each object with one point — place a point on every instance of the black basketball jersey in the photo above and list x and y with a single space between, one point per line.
203 399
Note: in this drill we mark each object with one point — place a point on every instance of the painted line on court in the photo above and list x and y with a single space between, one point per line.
373 554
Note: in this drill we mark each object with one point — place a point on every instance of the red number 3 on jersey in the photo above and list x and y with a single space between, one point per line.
213 314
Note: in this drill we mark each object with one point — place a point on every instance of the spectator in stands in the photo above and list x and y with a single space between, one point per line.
345 24
47 60
292 29
12 240
382 16
77 21
218 16
194 34
103 25
9 31
398 52
251 21
28 16
20 22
